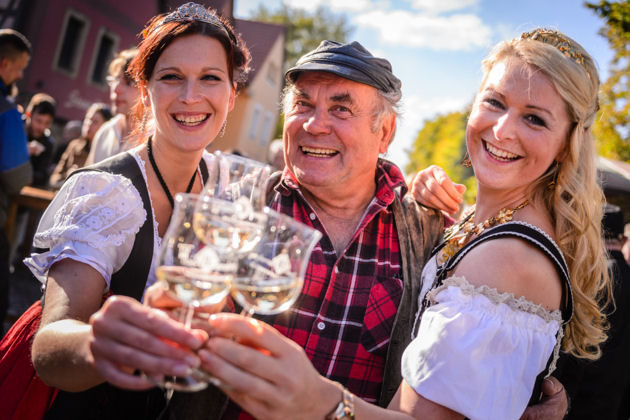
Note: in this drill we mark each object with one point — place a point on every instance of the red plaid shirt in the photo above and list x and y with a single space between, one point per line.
345 314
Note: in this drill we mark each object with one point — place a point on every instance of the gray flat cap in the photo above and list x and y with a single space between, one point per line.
351 61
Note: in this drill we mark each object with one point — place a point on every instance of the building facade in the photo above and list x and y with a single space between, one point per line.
74 41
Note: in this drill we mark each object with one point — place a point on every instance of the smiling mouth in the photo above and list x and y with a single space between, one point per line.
190 120
317 152
498 154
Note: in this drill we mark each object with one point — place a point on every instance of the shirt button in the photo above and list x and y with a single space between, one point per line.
312 216
321 325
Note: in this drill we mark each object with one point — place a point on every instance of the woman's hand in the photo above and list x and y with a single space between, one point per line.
432 188
128 336
267 374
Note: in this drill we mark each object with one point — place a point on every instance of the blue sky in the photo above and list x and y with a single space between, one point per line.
436 46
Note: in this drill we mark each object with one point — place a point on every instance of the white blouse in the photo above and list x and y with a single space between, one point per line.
479 351
94 219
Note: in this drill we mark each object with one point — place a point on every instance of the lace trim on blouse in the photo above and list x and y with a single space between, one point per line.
97 221
514 303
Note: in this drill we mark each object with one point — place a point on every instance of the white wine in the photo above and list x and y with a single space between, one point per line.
226 232
193 285
266 297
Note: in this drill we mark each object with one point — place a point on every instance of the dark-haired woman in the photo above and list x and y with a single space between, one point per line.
101 233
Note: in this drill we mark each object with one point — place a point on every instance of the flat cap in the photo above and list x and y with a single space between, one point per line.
351 61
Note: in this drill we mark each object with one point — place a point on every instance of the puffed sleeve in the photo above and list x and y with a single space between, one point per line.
93 219
478 351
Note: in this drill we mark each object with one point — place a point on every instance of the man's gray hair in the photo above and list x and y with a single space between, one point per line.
388 103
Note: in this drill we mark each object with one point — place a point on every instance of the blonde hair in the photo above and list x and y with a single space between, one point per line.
574 199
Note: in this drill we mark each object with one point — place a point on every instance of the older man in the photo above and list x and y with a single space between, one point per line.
356 311
359 299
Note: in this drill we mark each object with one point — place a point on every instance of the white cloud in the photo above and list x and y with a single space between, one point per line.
454 33
416 110
337 6
440 6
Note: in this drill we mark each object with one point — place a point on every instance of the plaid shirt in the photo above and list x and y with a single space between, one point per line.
344 316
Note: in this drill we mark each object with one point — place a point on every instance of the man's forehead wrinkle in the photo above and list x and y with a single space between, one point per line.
343 96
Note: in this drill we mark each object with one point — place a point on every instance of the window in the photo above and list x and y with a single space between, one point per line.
266 129
253 126
272 73
106 45
10 11
70 46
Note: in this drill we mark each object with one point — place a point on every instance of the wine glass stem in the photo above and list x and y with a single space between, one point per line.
247 312
190 311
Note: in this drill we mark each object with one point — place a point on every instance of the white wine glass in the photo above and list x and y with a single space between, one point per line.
270 276
195 271
237 178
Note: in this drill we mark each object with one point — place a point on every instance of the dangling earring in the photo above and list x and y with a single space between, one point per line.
143 123
466 161
556 169
222 131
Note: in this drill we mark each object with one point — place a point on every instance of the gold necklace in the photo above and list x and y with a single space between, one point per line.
458 235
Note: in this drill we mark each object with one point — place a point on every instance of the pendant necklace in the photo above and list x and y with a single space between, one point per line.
458 235
159 176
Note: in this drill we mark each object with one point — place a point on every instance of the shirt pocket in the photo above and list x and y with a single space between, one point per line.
380 314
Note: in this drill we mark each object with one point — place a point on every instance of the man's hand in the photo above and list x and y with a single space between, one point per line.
264 372
554 403
432 188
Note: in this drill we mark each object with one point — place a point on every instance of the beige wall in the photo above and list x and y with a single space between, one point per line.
259 102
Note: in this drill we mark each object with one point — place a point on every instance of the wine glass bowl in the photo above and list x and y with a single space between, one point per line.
270 276
231 177
228 227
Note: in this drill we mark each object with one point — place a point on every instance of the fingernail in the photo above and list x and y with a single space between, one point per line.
192 361
181 369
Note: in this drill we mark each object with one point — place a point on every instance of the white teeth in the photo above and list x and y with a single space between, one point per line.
500 154
318 152
190 119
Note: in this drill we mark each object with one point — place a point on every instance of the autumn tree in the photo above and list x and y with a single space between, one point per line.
305 30
612 126
442 141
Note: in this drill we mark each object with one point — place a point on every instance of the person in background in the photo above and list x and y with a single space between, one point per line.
39 116
110 139
600 389
71 130
78 149
15 165
275 155
625 249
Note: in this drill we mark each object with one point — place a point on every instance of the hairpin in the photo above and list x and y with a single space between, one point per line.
556 39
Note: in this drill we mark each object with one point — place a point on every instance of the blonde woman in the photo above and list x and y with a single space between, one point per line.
493 311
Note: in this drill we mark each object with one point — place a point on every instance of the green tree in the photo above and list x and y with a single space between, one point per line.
305 30
612 127
442 141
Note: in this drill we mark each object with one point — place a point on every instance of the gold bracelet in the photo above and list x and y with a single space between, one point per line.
345 408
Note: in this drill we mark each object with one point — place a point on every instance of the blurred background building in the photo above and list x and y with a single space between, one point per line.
74 40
